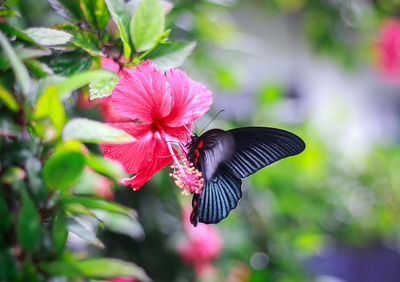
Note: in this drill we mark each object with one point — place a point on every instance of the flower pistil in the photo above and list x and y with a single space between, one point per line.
186 176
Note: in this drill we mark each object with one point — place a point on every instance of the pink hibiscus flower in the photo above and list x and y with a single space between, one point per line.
166 105
201 245
388 49
104 104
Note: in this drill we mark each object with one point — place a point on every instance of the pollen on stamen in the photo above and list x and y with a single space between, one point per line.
187 177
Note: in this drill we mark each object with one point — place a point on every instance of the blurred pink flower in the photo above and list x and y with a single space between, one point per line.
388 49
166 105
201 245
101 185
104 188
122 279
104 104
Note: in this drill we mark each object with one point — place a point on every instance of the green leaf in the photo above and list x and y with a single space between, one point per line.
172 55
38 68
70 63
8 99
7 219
79 80
48 36
73 208
23 54
7 12
33 167
96 13
107 167
84 39
28 224
8 265
88 41
78 228
102 88
19 34
64 167
120 223
49 106
68 9
31 53
59 232
21 73
44 83
100 203
28 271
97 268
94 132
147 25
120 16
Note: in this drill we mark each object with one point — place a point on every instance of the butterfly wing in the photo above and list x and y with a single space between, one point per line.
218 197
257 147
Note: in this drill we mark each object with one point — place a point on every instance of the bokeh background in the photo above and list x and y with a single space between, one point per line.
326 70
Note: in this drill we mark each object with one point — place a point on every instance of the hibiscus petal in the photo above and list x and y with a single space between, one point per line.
108 112
190 98
110 64
160 158
143 158
130 154
148 168
142 93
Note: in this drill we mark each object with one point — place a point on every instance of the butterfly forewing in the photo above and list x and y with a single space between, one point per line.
257 147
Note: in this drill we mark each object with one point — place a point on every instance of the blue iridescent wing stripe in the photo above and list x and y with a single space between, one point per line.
257 147
219 196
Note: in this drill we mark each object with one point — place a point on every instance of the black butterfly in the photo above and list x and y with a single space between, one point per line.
224 157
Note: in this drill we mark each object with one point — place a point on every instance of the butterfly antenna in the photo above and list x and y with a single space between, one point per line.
168 156
195 125
176 135
187 129
181 145
173 142
211 121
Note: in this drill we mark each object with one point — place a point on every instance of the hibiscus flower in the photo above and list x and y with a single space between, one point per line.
388 49
166 105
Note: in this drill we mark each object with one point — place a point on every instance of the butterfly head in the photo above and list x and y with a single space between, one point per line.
194 137
191 147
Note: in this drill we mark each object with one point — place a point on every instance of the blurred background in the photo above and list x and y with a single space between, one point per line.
326 70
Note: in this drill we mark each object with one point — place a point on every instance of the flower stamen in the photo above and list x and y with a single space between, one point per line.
186 176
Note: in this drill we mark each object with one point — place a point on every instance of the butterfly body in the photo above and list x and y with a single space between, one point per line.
224 157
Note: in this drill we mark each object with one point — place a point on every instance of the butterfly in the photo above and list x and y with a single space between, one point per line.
225 157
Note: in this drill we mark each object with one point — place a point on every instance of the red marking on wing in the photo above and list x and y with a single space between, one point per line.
196 152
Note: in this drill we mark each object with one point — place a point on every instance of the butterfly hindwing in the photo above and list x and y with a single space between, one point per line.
257 147
218 197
